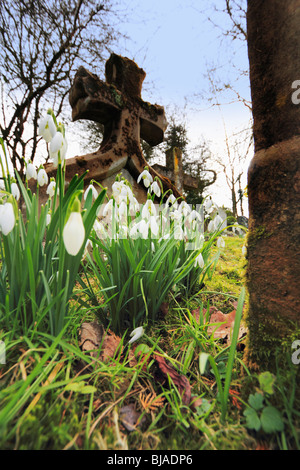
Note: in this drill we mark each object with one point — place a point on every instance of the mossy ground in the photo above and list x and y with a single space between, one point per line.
75 402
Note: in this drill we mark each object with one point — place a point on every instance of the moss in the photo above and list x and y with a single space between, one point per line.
269 340
256 234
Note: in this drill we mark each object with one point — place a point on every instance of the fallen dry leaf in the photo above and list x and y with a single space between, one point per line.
93 337
180 381
220 324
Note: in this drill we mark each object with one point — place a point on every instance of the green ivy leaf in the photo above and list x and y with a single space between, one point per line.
271 420
266 382
256 401
252 419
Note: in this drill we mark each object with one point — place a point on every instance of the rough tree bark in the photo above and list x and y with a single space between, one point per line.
273 276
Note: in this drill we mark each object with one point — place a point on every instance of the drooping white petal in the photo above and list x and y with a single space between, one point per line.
15 191
47 128
74 233
94 192
199 261
42 177
51 189
155 188
31 171
7 218
146 177
136 334
221 242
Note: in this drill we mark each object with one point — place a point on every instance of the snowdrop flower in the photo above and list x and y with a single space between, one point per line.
74 231
58 148
211 226
136 334
51 189
15 191
199 261
185 208
149 209
120 191
218 221
208 205
42 177
122 210
47 128
100 230
134 206
108 207
221 242
146 177
171 200
48 218
155 188
94 192
7 218
31 171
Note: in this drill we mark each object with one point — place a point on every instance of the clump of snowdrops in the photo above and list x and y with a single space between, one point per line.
41 245
142 252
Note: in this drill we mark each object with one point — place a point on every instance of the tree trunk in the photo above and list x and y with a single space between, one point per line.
273 273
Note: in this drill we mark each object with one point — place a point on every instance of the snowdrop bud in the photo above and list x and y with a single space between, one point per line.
51 189
42 177
31 171
136 334
94 192
199 261
7 218
48 218
155 188
74 231
221 242
47 128
218 221
15 191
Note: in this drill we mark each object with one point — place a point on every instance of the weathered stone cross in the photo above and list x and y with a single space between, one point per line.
117 104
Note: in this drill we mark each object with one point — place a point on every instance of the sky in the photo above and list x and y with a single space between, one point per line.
176 44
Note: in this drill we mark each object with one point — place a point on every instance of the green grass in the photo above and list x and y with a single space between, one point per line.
54 396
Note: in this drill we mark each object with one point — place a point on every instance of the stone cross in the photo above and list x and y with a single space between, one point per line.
117 104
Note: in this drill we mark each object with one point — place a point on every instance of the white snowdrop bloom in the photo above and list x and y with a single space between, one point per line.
134 206
185 208
108 207
51 189
208 205
155 188
171 200
211 226
42 177
94 192
136 334
146 177
58 146
100 230
7 218
176 215
143 228
47 128
48 218
120 191
218 221
122 210
178 233
194 215
74 233
15 191
221 242
199 261
149 209
31 171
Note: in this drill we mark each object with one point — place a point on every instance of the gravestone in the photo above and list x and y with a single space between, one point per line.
118 106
